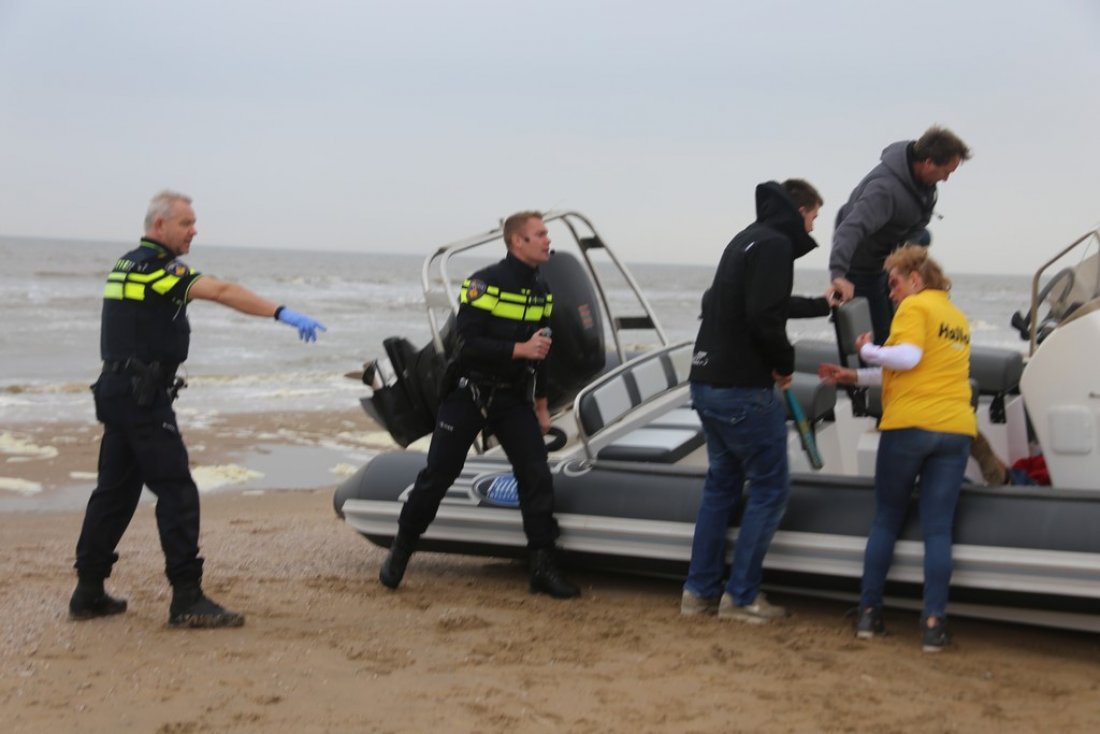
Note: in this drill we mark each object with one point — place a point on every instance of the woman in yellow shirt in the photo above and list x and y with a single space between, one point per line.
927 426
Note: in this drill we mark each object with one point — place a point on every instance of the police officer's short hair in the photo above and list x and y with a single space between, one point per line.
161 206
514 225
941 146
803 194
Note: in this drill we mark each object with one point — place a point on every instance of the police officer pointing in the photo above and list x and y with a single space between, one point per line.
144 338
496 381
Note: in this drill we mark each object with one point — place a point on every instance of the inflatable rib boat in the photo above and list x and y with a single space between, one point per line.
628 454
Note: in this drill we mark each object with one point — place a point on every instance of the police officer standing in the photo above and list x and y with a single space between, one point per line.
144 338
496 381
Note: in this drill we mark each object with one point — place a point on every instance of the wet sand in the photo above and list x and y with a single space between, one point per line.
463 647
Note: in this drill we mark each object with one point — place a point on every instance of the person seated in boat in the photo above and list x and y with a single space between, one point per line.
741 354
927 427
496 381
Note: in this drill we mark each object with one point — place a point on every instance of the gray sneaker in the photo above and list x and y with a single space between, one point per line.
692 604
759 611
934 637
870 624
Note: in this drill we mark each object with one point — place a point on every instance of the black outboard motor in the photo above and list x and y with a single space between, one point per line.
579 352
406 383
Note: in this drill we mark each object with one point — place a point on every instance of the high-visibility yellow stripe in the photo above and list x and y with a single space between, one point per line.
116 276
113 291
507 305
165 284
134 291
517 312
484 301
146 277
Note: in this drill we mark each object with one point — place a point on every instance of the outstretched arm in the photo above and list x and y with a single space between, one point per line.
244 300
235 296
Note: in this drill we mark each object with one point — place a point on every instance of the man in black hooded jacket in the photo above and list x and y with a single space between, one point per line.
741 354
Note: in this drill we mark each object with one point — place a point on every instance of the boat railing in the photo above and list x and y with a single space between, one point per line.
627 397
440 287
1068 273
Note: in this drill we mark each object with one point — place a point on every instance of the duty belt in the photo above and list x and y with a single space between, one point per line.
136 368
117 367
483 380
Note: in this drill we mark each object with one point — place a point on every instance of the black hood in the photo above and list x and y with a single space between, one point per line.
776 209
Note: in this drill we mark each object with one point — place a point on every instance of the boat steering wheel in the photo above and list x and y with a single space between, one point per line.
1063 279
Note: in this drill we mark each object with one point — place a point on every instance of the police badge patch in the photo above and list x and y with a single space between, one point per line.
476 290
176 268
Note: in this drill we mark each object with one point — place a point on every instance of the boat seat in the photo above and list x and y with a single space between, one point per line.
632 387
997 372
852 319
809 353
816 398
666 440
670 437
654 444
684 417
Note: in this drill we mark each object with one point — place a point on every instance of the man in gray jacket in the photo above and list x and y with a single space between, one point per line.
891 206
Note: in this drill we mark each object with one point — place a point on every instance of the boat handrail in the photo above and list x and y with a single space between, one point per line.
681 377
1033 326
439 287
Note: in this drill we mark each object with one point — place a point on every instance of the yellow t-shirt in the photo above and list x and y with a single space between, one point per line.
934 395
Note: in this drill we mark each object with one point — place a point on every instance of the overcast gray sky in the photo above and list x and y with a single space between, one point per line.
397 126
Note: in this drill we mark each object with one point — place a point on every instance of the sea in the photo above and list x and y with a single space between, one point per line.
51 295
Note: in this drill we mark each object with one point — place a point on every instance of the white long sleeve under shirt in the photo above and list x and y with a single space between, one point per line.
901 357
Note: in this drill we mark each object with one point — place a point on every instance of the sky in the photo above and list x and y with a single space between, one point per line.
399 126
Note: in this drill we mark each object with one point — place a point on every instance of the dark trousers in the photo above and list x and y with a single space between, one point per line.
876 289
512 420
140 447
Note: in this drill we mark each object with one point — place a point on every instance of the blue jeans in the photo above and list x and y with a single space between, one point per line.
939 459
746 432
876 289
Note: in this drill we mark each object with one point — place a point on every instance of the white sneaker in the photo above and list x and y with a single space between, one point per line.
759 611
692 604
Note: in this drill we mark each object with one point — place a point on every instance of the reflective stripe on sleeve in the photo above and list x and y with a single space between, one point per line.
165 284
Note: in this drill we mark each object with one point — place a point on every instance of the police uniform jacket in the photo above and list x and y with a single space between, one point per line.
500 305
145 308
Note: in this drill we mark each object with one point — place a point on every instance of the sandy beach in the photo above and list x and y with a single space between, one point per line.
461 646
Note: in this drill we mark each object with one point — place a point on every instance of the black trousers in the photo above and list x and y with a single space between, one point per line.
875 287
512 420
140 447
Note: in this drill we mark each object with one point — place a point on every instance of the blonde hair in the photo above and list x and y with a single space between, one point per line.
912 258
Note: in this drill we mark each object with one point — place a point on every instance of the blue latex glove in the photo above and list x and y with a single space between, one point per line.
307 327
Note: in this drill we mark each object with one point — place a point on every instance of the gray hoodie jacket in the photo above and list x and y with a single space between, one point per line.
888 208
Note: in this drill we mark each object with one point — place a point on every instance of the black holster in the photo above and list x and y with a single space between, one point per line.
149 381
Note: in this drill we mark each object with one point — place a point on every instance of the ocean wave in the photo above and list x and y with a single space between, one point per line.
21 486
212 477
44 388
19 447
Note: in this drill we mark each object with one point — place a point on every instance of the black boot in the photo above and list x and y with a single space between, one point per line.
547 579
393 568
90 601
192 608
